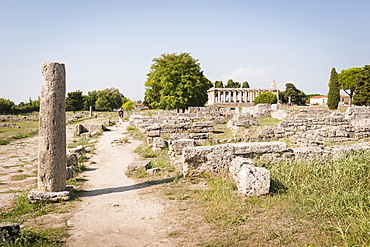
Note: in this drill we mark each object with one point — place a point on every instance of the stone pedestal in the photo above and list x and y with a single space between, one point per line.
37 196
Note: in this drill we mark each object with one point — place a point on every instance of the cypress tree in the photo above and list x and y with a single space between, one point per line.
334 90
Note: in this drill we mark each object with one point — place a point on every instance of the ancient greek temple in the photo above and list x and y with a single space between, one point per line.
237 96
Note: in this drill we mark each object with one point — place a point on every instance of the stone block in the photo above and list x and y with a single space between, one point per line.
38 196
178 145
307 152
198 136
211 159
158 144
69 173
72 160
78 150
259 147
250 180
95 128
178 136
154 133
136 165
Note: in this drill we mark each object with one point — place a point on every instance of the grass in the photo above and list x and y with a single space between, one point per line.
22 210
27 129
30 237
134 132
20 177
4 142
24 135
146 151
222 132
311 203
268 121
81 141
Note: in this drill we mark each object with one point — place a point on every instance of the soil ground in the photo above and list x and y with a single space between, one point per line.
112 211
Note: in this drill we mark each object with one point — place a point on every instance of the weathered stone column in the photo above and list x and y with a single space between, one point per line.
52 136
52 129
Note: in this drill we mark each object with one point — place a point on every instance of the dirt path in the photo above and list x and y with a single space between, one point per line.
112 211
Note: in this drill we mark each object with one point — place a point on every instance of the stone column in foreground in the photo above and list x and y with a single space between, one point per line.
52 137
52 129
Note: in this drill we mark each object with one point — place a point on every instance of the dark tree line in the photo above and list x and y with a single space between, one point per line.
100 100
8 106
355 82
231 84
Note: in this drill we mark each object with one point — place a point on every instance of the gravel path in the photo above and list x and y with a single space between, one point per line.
112 211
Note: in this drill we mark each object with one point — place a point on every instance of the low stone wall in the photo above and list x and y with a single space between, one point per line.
315 127
217 159
357 112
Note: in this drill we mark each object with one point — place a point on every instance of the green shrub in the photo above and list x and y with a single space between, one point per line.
3 142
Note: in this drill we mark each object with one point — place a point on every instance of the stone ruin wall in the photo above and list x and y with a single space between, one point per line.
306 129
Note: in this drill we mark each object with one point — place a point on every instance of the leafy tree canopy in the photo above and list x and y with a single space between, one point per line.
297 96
219 84
128 105
265 98
347 81
232 84
6 105
245 84
108 99
74 101
362 92
176 81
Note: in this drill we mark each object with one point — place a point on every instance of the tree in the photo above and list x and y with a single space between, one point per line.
296 96
334 90
6 105
232 84
128 105
74 101
347 81
30 106
108 99
90 100
362 92
265 98
219 84
245 84
175 81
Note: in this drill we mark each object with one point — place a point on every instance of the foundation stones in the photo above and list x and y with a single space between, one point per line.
137 165
250 180
158 144
36 196
91 129
52 136
308 130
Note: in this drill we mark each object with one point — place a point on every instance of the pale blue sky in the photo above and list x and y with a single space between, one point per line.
112 43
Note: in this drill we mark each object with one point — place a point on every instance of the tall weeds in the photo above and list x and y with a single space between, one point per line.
333 193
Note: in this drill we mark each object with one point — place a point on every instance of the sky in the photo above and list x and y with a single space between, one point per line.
106 44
